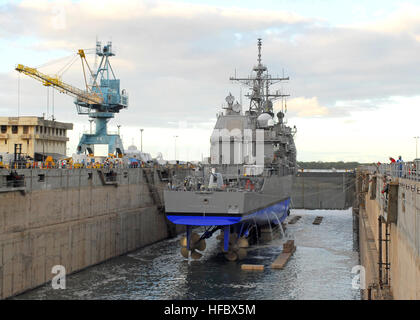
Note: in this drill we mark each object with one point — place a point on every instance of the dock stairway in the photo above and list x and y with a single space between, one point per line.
108 178
154 193
157 199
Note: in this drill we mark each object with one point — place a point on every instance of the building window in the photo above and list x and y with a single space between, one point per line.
14 129
25 129
3 129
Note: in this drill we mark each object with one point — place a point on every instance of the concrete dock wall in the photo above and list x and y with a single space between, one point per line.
393 272
71 218
323 190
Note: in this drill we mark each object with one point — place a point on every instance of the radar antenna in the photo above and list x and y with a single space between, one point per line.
260 96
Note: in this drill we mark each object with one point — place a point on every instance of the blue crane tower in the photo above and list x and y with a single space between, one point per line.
105 85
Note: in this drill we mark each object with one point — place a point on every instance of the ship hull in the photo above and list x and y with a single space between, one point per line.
274 213
209 208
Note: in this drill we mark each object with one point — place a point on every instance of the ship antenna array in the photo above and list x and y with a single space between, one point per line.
260 96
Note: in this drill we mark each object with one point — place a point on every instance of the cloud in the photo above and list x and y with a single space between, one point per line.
304 107
174 59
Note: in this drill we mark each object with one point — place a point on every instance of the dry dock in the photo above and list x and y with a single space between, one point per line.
79 218
389 231
74 218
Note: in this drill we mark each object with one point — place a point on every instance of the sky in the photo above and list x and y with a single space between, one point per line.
353 66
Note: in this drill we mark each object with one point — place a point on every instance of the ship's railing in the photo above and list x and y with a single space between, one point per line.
266 171
241 184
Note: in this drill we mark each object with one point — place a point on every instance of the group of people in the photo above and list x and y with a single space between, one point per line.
397 161
401 170
392 160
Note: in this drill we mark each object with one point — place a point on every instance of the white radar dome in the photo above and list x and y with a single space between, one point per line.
264 120
132 148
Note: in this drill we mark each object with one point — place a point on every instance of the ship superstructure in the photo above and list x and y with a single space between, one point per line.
248 182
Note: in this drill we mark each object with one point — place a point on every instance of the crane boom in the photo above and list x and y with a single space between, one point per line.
55 82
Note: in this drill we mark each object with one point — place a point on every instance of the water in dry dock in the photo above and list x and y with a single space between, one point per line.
319 269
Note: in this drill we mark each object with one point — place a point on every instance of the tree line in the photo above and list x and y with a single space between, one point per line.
328 165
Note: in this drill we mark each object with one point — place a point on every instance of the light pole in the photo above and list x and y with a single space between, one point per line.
141 140
417 138
175 146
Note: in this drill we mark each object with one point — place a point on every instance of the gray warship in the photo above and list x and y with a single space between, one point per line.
247 182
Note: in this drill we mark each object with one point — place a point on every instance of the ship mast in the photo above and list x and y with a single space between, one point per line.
259 83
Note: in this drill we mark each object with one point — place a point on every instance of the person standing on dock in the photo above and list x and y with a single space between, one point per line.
400 161
385 188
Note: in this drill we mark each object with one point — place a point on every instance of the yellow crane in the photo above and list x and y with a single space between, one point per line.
87 96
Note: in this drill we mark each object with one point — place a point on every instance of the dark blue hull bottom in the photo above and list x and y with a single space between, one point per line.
276 213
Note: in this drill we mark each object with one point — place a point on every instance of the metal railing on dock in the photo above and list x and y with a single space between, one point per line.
406 170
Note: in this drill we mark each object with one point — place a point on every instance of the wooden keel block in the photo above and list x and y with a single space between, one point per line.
294 219
317 220
252 267
282 259
289 246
